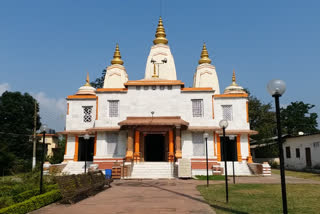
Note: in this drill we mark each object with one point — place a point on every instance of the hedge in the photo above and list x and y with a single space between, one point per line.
30 193
33 203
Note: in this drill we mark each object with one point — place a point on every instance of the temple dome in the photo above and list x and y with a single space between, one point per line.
234 88
86 89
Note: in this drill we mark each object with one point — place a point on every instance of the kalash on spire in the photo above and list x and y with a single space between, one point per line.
160 63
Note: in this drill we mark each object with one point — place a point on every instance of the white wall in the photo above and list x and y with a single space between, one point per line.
302 142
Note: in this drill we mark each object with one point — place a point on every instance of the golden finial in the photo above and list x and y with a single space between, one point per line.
160 34
234 78
87 80
204 55
117 57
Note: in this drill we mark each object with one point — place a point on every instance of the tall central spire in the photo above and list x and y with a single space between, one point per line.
160 34
204 55
117 57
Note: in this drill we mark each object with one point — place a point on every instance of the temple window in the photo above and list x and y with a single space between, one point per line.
288 152
112 142
87 114
113 108
145 87
161 87
197 107
198 144
227 112
138 87
154 87
169 87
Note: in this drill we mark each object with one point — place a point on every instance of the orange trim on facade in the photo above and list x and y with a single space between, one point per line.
95 144
247 108
76 148
196 89
65 148
218 148
76 97
137 146
67 108
97 107
214 144
111 89
239 148
249 152
230 95
171 146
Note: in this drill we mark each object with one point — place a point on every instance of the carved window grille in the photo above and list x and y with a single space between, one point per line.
112 143
87 114
198 143
197 108
113 108
227 112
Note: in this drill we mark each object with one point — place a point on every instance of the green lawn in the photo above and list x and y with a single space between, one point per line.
211 177
262 198
306 175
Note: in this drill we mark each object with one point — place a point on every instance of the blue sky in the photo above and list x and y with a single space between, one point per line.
46 47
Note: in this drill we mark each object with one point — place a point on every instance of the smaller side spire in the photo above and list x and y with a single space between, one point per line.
87 80
204 55
234 78
117 57
160 34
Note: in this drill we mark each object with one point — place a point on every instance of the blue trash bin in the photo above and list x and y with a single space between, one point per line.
108 173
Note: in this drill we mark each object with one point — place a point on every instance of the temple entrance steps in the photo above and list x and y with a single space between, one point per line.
240 168
75 167
153 170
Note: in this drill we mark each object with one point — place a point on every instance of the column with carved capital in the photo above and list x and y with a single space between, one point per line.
178 142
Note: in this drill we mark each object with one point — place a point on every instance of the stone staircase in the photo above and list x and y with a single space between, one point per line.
241 168
75 167
153 170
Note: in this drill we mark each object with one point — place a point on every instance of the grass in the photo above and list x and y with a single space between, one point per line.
262 198
211 177
305 175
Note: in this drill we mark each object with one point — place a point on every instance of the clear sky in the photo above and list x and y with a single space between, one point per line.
46 47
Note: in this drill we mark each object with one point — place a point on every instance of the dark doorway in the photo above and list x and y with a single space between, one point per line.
85 146
308 157
154 147
231 147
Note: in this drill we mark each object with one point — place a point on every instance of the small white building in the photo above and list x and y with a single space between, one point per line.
302 152
148 125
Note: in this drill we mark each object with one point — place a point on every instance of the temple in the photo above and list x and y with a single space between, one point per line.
148 126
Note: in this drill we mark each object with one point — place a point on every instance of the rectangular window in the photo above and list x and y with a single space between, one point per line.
198 144
227 112
161 87
169 87
87 114
288 153
297 153
112 142
113 108
197 108
138 87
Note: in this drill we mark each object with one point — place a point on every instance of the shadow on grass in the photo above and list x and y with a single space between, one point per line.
227 209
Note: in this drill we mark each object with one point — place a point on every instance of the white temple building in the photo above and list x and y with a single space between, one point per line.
147 126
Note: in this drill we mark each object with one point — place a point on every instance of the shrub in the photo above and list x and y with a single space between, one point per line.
33 203
30 193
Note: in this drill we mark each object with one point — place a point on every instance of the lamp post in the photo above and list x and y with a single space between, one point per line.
224 124
276 88
86 138
205 136
43 129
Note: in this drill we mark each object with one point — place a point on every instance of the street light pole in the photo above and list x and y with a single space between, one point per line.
276 88
43 129
205 135
224 124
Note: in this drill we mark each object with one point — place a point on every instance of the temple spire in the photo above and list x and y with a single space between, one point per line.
160 34
204 55
87 80
117 57
234 78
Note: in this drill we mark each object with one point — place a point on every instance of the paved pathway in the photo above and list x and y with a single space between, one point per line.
154 196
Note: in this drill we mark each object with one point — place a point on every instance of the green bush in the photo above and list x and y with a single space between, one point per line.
30 193
6 201
33 203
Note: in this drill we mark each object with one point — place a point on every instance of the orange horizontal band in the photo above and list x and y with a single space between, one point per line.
230 95
81 97
196 89
111 89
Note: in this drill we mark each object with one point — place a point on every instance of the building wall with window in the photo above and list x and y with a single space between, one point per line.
304 152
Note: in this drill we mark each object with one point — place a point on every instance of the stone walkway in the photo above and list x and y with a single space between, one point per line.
154 196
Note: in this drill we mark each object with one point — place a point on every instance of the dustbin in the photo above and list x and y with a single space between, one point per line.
108 173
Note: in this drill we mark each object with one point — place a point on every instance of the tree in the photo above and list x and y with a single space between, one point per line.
58 153
261 118
98 83
296 118
16 128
